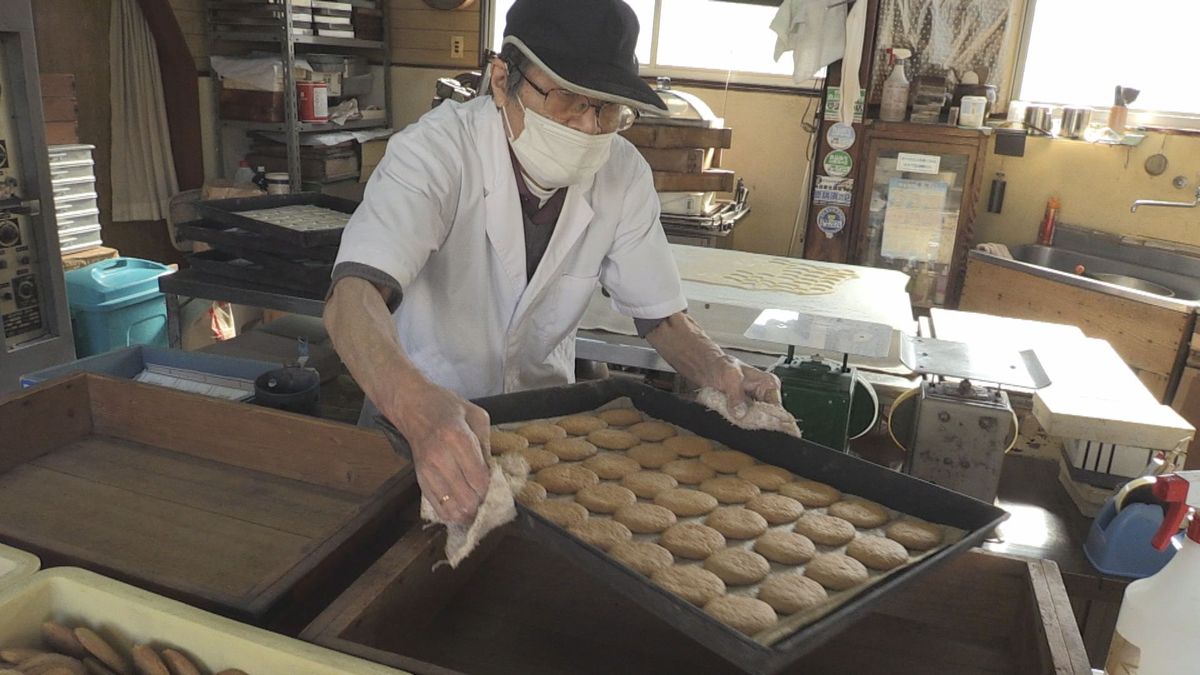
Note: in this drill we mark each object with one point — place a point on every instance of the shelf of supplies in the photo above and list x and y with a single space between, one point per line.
316 40
306 127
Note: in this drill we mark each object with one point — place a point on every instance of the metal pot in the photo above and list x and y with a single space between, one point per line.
1075 121
1038 119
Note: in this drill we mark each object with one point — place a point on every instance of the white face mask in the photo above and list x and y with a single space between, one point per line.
554 155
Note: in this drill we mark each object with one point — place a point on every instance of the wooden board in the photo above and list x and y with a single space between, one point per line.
73 261
226 506
1187 403
1147 337
54 84
713 180
681 160
665 136
60 109
62 133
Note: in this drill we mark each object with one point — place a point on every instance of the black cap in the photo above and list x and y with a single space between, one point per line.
586 45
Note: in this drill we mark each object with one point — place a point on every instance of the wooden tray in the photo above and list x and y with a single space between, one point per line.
525 609
242 510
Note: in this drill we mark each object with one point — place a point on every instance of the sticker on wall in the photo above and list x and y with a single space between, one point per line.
838 164
831 220
907 161
840 136
830 190
833 104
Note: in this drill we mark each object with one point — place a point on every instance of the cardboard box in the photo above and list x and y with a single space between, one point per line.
62 133
60 109
57 85
372 153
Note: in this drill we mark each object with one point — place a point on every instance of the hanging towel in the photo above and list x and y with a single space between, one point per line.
856 26
813 31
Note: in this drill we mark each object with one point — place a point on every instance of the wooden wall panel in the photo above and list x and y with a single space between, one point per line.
421 35
190 14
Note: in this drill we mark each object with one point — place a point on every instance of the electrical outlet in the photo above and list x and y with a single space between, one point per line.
458 45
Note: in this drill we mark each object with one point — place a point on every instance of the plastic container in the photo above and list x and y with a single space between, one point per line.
16 565
893 105
116 303
313 101
125 615
128 363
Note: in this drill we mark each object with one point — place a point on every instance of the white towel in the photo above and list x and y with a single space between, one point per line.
813 31
998 250
759 416
856 26
509 474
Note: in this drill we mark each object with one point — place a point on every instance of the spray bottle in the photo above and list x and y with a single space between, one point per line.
893 105
1157 630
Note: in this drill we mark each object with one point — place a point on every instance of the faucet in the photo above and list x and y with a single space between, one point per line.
1154 202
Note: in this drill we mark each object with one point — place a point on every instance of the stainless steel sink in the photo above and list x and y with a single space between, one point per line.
1182 286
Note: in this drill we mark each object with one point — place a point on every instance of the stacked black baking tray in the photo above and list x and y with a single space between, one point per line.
251 250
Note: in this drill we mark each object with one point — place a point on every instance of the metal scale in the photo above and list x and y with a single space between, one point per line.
35 328
957 429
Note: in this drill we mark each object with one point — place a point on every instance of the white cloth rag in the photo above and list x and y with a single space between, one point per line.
759 415
497 509
998 250
856 27
813 31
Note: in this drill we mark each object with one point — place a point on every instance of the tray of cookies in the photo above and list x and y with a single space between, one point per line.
755 544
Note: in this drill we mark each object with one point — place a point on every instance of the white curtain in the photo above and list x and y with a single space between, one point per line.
143 168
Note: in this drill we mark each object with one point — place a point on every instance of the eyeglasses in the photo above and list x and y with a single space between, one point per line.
565 106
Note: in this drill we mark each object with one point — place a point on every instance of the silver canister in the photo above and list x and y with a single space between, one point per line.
1075 121
1038 120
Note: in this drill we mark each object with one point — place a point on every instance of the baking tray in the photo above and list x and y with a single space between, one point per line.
226 237
242 510
898 491
232 212
311 279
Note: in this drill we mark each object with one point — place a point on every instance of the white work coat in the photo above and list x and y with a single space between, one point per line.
442 218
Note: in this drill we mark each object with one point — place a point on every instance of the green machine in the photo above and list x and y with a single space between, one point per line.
831 402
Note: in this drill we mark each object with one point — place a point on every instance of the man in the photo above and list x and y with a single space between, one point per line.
484 232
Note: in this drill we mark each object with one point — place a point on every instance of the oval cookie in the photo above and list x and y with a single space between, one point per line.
581 425
692 540
730 489
612 465
737 566
537 458
605 497
694 584
746 615
776 508
785 548
859 512
566 479
647 484
825 530
652 431
878 553
810 493
542 432
531 493
651 455
736 522
791 593
915 535
686 503
689 471
642 556
506 441
561 512
571 449
766 477
645 518
620 417
613 439
688 446
727 461
602 532
835 571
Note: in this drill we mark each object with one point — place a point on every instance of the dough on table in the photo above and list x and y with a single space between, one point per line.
737 566
602 533
730 489
644 557
860 512
736 522
694 584
878 553
502 441
613 439
537 458
581 425
825 530
652 431
776 508
766 476
531 493
605 497
612 465
566 478
651 455
692 540
792 592
541 432
785 548
620 417
835 571
689 471
747 615
561 512
647 484
915 535
645 518
686 503
727 461
810 493
571 449
688 446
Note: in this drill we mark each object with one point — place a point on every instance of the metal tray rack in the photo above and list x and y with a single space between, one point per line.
233 213
236 239
310 279
895 490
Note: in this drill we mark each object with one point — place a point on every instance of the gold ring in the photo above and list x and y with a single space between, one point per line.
445 498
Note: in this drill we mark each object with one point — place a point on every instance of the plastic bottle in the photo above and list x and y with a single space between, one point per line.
244 174
1049 220
1157 630
894 100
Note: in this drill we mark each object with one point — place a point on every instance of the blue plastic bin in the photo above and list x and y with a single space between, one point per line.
116 303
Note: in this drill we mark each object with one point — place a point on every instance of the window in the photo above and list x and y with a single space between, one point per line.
698 39
1078 51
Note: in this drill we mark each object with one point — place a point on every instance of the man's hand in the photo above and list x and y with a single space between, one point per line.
449 437
743 384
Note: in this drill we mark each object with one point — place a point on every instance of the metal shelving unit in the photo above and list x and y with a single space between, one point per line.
283 35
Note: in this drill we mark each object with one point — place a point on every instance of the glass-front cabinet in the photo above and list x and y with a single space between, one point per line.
917 213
